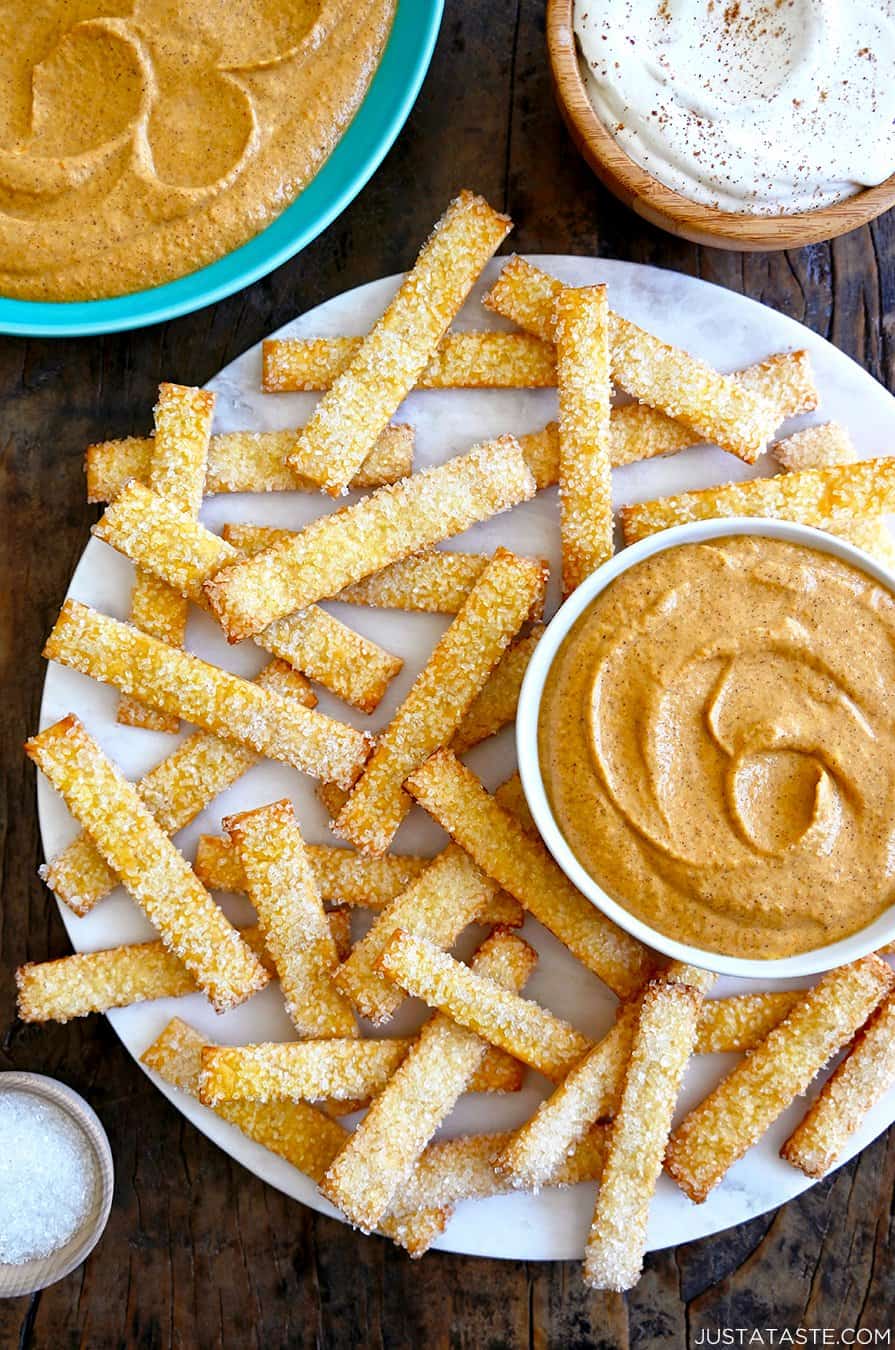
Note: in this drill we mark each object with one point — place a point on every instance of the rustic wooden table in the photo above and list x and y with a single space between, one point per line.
198 1252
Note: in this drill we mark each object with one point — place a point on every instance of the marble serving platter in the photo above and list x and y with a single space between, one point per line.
727 330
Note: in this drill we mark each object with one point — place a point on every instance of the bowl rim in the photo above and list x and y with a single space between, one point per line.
27 1277
670 210
357 155
812 962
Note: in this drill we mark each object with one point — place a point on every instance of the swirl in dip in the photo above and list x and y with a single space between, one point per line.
760 106
717 743
142 139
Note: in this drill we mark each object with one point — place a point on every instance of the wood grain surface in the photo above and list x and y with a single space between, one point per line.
198 1252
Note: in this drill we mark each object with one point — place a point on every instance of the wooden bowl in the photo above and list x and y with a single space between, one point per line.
659 204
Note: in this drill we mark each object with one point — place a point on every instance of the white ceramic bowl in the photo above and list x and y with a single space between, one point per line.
869 939
29 1276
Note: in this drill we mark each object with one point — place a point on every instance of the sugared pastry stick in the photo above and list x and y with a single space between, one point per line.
816 447
581 330
521 1027
160 879
308 1071
495 706
498 1072
785 380
820 447
439 698
342 876
488 360
520 863
437 906
183 554
94 982
283 891
521 360
462 361
243 461
393 522
346 877
91 982
175 791
368 1175
432 582
715 407
527 296
247 461
306 1137
822 497
635 432
589 1092
461 1169
872 535
509 795
694 977
177 473
662 1044
335 1070
253 461
350 665
638 432
400 345
299 1133
866 1073
741 1022
212 698
736 1114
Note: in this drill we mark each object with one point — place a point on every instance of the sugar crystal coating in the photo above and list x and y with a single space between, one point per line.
401 343
714 406
439 698
581 325
820 447
222 703
177 473
243 461
336 550
521 864
463 360
183 554
296 1131
366 1177
821 497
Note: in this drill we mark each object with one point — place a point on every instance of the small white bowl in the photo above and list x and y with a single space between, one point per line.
869 939
27 1277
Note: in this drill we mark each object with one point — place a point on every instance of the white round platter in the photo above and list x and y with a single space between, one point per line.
724 328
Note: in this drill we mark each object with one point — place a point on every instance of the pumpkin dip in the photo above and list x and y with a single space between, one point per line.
717 740
142 139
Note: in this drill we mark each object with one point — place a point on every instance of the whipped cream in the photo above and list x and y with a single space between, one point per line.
761 106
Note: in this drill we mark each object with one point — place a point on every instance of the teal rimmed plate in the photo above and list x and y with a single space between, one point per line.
358 154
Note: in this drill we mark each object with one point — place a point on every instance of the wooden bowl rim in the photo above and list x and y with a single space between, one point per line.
661 205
